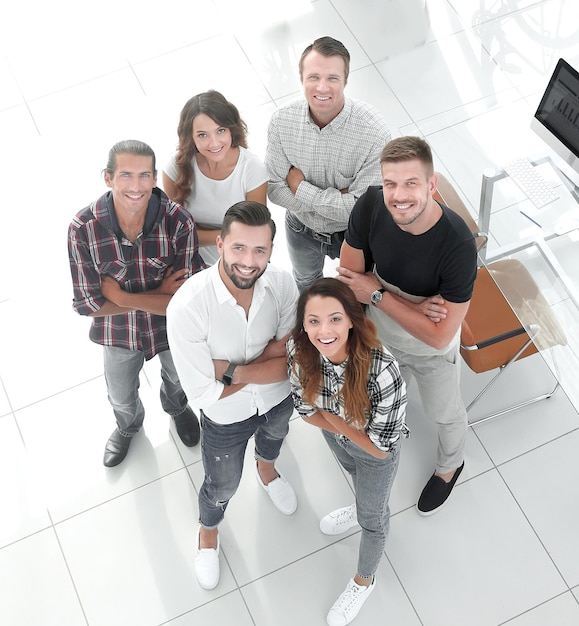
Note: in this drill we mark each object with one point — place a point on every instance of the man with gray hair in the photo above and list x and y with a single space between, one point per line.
129 252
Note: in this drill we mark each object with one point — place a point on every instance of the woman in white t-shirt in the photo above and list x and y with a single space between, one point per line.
212 168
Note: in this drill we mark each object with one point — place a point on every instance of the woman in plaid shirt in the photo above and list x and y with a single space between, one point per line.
348 385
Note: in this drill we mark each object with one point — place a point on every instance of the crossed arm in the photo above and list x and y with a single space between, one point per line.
433 321
154 301
269 367
335 424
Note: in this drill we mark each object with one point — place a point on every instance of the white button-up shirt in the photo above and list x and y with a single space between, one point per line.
204 322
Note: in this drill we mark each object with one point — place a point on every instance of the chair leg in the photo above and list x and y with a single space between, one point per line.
516 406
544 396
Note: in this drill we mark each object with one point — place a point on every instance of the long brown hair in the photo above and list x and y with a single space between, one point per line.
214 105
362 339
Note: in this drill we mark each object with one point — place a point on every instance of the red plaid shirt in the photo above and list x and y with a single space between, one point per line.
96 247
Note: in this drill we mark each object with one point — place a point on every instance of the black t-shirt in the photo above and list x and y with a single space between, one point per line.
440 261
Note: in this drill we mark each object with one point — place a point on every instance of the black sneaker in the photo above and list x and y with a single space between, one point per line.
435 493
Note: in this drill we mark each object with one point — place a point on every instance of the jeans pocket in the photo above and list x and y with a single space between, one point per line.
293 223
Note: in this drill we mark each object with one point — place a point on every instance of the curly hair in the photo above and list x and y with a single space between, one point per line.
214 105
362 339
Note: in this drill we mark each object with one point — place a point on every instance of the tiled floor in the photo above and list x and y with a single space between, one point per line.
82 545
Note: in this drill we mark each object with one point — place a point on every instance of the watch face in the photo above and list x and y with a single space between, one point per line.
376 297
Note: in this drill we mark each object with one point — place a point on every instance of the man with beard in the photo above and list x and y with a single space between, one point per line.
227 330
423 261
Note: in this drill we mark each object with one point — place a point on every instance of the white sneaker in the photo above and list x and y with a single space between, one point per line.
206 564
348 605
280 493
339 521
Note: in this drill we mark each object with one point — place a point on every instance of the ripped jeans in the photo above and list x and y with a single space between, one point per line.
223 450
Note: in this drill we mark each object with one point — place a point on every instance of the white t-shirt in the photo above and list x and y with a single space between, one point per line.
209 199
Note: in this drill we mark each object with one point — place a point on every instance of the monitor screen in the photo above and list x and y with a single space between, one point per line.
558 113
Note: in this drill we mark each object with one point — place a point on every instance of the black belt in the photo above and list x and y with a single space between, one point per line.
322 237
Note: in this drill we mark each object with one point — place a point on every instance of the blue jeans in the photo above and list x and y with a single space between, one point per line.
122 369
223 449
308 252
372 478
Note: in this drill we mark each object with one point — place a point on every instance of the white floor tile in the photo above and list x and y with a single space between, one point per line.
474 12
544 483
527 43
562 610
275 49
4 404
229 609
48 53
228 72
36 584
510 435
28 373
386 29
23 505
132 558
368 85
481 547
445 74
304 591
65 437
444 20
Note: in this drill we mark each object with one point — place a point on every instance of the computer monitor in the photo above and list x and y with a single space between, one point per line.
556 120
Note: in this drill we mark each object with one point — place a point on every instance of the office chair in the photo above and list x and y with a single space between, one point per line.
492 336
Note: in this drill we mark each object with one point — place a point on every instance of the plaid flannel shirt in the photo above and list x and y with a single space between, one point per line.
386 390
95 248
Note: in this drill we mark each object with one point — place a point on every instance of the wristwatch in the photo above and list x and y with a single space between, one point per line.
228 375
376 296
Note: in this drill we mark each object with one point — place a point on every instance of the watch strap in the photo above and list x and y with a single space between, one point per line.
228 374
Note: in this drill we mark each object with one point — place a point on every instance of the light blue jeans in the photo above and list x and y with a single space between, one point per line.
122 369
308 252
372 479
223 450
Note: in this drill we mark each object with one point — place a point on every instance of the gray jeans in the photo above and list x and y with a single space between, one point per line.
438 379
307 253
372 478
122 369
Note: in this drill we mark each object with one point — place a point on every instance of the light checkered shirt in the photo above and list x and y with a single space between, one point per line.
386 390
343 154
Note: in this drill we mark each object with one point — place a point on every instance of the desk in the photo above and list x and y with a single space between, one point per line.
553 266
515 221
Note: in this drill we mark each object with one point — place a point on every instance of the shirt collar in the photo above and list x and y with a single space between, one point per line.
337 122
224 295
105 212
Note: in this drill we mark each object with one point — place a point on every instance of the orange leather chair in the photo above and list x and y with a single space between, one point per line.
492 336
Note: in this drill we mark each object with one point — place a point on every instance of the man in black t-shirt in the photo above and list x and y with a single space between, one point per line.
423 261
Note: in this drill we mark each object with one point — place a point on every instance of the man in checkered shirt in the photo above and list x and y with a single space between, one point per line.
129 252
322 155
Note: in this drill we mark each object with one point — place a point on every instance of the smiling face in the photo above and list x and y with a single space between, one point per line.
132 183
324 79
408 190
328 327
211 140
245 252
